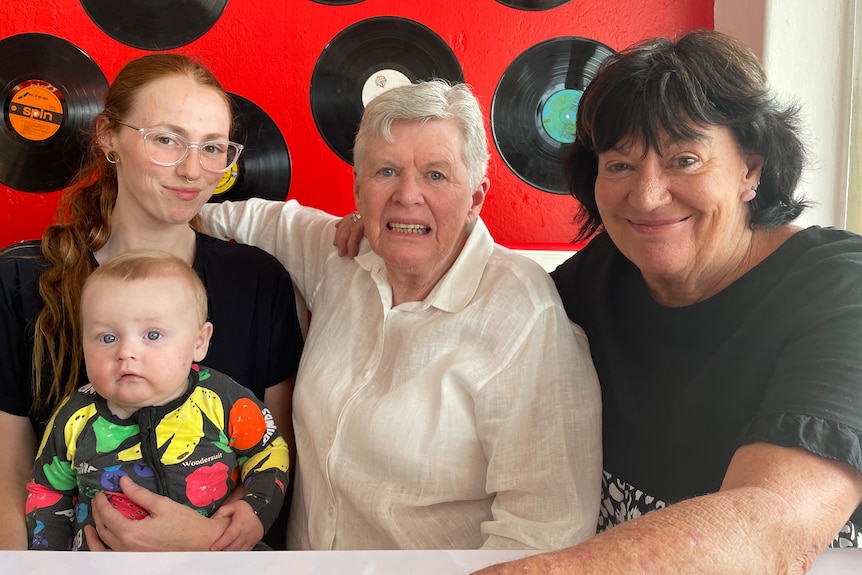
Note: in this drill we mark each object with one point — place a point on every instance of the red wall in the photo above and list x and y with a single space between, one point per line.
266 52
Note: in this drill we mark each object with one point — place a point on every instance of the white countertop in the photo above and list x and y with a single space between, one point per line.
831 562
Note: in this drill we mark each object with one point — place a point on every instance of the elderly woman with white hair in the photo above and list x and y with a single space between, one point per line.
444 400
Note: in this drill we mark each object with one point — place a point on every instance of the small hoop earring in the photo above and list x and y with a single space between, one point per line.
113 157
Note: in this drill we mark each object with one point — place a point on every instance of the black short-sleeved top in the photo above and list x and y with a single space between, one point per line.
775 357
256 336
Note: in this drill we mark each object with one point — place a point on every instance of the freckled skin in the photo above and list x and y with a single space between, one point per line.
155 196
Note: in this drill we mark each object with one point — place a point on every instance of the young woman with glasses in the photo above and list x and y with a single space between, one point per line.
139 191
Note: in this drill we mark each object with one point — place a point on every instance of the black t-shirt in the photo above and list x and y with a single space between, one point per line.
774 357
256 336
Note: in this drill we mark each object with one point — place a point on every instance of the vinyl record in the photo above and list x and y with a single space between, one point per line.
263 170
366 59
535 103
154 24
337 2
533 4
51 92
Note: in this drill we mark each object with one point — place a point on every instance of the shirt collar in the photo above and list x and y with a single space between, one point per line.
459 284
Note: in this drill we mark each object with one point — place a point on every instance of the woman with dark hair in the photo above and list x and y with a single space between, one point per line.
725 338
158 150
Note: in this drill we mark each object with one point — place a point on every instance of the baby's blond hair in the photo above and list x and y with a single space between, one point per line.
142 264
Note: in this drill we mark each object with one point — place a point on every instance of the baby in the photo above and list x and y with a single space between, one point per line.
150 413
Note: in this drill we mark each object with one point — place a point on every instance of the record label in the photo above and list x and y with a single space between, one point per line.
381 81
35 110
558 115
50 92
228 180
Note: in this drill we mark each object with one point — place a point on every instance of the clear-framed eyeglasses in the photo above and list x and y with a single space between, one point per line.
165 148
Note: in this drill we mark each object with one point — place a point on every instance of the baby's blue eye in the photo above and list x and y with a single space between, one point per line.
108 338
153 335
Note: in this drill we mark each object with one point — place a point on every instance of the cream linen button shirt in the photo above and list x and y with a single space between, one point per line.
468 420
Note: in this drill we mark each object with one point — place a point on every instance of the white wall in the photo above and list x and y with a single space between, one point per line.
807 49
744 20
854 199
548 259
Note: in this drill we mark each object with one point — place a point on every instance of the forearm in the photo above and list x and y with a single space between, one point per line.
737 532
297 236
13 530
265 480
544 464
265 495
279 400
250 222
13 494
15 470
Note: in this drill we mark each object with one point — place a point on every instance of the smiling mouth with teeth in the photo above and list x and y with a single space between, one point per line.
409 228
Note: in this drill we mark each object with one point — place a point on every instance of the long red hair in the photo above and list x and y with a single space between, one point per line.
83 225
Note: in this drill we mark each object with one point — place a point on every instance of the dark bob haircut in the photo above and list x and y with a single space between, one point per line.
663 88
